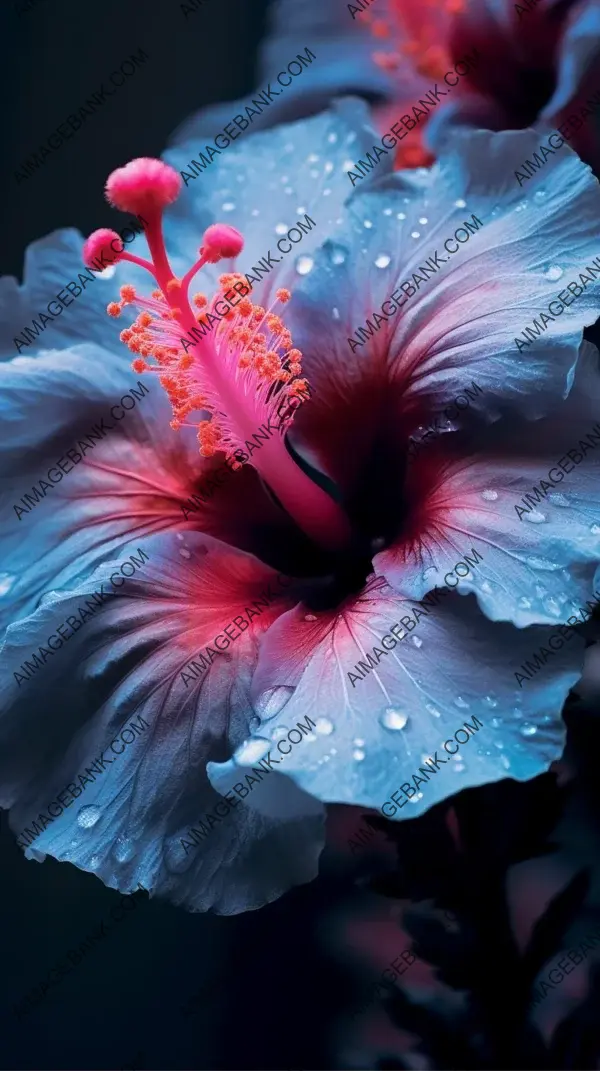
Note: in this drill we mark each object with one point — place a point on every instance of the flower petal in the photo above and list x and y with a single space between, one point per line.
459 666
458 325
265 185
539 552
132 480
120 668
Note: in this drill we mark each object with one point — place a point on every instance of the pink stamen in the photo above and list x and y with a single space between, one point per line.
242 373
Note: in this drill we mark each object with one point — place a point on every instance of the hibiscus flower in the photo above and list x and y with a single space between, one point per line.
318 541
509 66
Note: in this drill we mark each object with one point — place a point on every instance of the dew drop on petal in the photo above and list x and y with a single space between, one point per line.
304 265
432 710
358 741
552 607
228 206
337 253
460 203
504 759
95 862
553 272
347 165
535 517
335 312
496 723
491 702
323 726
387 211
124 849
393 719
358 755
460 702
417 641
415 234
542 563
273 700
310 617
526 729
539 195
88 816
558 499
595 530
490 496
382 261
486 587
280 228
332 138
251 751
185 553
458 767
423 220
6 583
524 603
400 215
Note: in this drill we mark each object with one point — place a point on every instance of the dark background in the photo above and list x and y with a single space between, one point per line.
122 1004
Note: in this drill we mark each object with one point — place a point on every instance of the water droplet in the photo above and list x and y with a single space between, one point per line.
486 587
326 171
310 617
107 273
185 553
387 211
347 165
491 702
415 799
400 215
88 816
553 272
423 220
313 158
542 563
526 729
124 849
228 206
521 206
558 499
552 607
273 701
280 732
358 741
433 710
524 603
358 754
367 223
335 313
324 726
332 138
95 862
304 265
6 583
460 702
417 642
504 759
393 719
255 212
382 260
458 767
280 228
415 234
594 529
539 195
460 203
490 496
251 751
337 253
535 517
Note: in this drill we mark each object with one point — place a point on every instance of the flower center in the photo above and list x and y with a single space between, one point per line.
230 367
